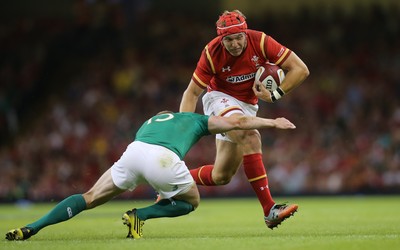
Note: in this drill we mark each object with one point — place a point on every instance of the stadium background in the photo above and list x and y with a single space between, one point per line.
77 78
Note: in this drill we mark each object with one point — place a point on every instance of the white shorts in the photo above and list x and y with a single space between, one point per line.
152 164
216 103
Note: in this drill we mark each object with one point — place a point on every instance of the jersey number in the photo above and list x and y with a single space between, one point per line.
169 117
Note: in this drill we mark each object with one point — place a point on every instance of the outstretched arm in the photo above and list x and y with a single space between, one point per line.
218 124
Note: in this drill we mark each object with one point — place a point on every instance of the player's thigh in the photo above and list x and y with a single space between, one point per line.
166 172
102 191
249 140
192 196
127 171
228 158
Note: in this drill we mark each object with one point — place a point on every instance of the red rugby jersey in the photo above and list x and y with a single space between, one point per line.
234 75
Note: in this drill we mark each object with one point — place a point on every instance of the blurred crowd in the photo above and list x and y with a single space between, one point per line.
73 93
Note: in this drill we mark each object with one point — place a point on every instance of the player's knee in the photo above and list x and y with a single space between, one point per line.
195 203
222 178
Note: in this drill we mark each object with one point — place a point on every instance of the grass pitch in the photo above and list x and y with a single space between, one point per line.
352 222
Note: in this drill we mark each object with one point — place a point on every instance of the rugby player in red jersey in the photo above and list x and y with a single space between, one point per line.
226 70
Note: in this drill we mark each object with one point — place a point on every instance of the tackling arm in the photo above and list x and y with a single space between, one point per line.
219 124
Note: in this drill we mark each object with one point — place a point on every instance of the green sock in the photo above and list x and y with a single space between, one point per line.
165 208
63 211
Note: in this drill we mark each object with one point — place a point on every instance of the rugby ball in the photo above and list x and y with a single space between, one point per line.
269 75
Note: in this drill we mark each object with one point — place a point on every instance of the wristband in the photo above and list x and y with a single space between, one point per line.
280 91
277 94
273 98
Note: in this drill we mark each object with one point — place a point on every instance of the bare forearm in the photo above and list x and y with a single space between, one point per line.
190 97
297 72
293 79
247 122
260 123
188 103
218 124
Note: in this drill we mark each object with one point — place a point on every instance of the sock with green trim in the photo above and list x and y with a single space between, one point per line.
63 211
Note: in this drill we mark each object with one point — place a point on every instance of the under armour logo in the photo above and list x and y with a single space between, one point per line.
228 68
263 188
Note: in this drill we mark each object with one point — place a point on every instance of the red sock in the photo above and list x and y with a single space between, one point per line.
257 176
202 175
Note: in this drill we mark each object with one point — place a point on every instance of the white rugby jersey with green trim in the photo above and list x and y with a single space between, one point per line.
175 131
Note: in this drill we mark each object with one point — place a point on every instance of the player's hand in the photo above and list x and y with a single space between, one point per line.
262 92
283 123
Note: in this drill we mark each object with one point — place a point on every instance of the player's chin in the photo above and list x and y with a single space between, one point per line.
235 52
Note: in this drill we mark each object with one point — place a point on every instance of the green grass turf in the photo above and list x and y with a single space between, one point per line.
352 222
